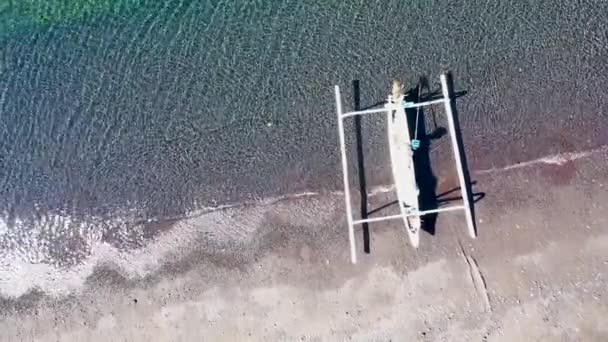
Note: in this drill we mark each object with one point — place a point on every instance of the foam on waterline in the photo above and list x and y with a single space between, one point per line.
52 239
31 258
28 263
23 269
555 159
225 229
3 227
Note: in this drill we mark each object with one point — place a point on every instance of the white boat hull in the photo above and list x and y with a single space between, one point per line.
403 172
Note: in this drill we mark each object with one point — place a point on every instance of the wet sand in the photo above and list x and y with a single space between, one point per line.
281 271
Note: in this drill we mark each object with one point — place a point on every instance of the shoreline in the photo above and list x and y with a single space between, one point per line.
297 249
232 225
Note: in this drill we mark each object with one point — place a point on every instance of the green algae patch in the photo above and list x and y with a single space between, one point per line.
52 11
16 15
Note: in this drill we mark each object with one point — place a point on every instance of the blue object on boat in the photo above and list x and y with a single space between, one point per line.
415 143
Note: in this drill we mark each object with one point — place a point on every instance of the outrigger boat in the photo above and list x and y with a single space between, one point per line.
402 148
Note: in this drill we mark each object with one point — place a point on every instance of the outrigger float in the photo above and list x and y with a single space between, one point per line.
401 154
